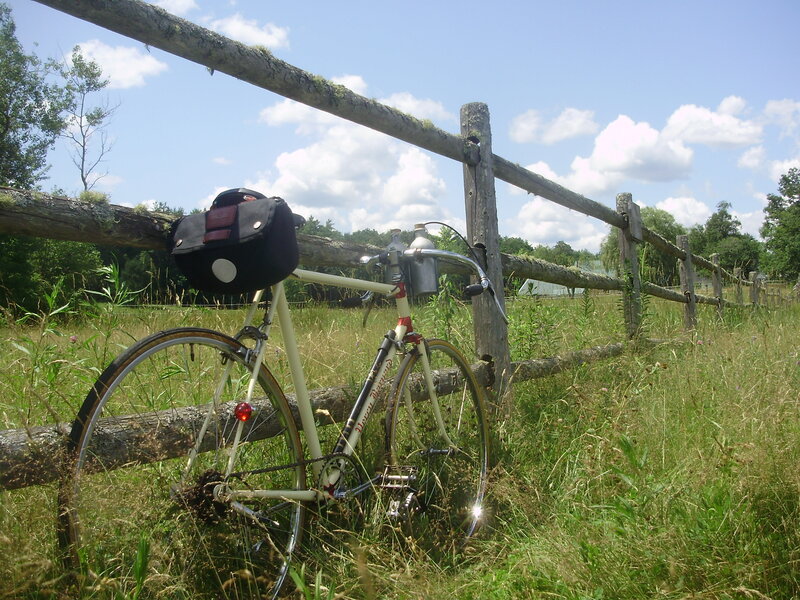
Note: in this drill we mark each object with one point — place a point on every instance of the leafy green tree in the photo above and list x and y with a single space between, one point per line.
314 226
781 228
86 123
370 236
31 267
703 239
721 234
515 245
18 286
742 250
655 266
30 110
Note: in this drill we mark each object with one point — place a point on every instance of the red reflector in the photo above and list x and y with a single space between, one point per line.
243 411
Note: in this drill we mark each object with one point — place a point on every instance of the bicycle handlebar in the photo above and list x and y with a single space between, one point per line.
471 290
420 253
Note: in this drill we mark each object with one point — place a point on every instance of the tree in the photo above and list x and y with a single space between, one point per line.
781 228
32 267
721 234
85 123
655 266
704 239
742 250
314 226
515 245
30 110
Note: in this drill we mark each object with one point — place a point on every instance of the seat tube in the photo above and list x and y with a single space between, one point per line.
298 378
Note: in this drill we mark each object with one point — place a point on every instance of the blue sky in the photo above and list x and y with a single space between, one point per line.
684 104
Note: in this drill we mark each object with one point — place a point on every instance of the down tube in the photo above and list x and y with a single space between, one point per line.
368 396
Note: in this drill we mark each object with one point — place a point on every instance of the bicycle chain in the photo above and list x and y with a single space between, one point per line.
299 463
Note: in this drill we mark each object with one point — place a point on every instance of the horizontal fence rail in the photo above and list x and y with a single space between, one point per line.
24 212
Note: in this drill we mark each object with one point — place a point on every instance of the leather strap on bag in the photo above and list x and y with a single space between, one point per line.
219 223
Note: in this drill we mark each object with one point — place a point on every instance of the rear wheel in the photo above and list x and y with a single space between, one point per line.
446 460
136 514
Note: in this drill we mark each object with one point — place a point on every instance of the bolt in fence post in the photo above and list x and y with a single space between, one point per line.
630 237
716 283
687 283
491 332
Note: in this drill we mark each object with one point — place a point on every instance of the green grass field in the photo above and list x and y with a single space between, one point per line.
668 473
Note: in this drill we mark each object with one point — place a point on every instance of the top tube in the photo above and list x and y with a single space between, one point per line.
387 289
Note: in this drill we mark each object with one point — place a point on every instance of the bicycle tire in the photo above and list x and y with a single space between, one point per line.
130 519
446 505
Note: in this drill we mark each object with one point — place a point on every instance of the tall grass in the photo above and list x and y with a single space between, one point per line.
670 473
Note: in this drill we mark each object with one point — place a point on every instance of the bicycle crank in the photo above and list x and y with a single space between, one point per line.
400 481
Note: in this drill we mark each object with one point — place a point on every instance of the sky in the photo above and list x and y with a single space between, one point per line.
684 104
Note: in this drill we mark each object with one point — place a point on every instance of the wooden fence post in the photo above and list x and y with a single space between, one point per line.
491 332
737 274
629 239
754 291
716 283
687 283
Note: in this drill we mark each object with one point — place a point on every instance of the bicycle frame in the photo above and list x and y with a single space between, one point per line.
365 403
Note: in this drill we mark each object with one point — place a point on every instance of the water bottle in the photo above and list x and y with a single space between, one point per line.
425 272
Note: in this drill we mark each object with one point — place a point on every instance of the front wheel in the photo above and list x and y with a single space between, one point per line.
437 437
139 517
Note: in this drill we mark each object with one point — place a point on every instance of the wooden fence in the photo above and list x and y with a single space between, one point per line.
24 454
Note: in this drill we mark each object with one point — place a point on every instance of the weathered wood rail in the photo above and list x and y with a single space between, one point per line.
29 456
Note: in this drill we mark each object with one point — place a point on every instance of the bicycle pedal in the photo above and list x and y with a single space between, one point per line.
398 478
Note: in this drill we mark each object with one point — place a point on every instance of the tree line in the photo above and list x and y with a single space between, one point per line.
42 101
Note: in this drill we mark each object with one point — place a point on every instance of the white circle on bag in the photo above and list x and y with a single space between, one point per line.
224 270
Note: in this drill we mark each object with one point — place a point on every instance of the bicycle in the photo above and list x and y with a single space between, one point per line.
180 467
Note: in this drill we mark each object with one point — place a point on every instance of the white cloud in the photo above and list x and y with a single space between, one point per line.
248 31
125 66
354 83
353 175
572 122
420 108
176 7
221 160
751 221
623 150
540 221
626 149
777 168
108 182
694 124
784 113
732 105
686 210
525 127
753 158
